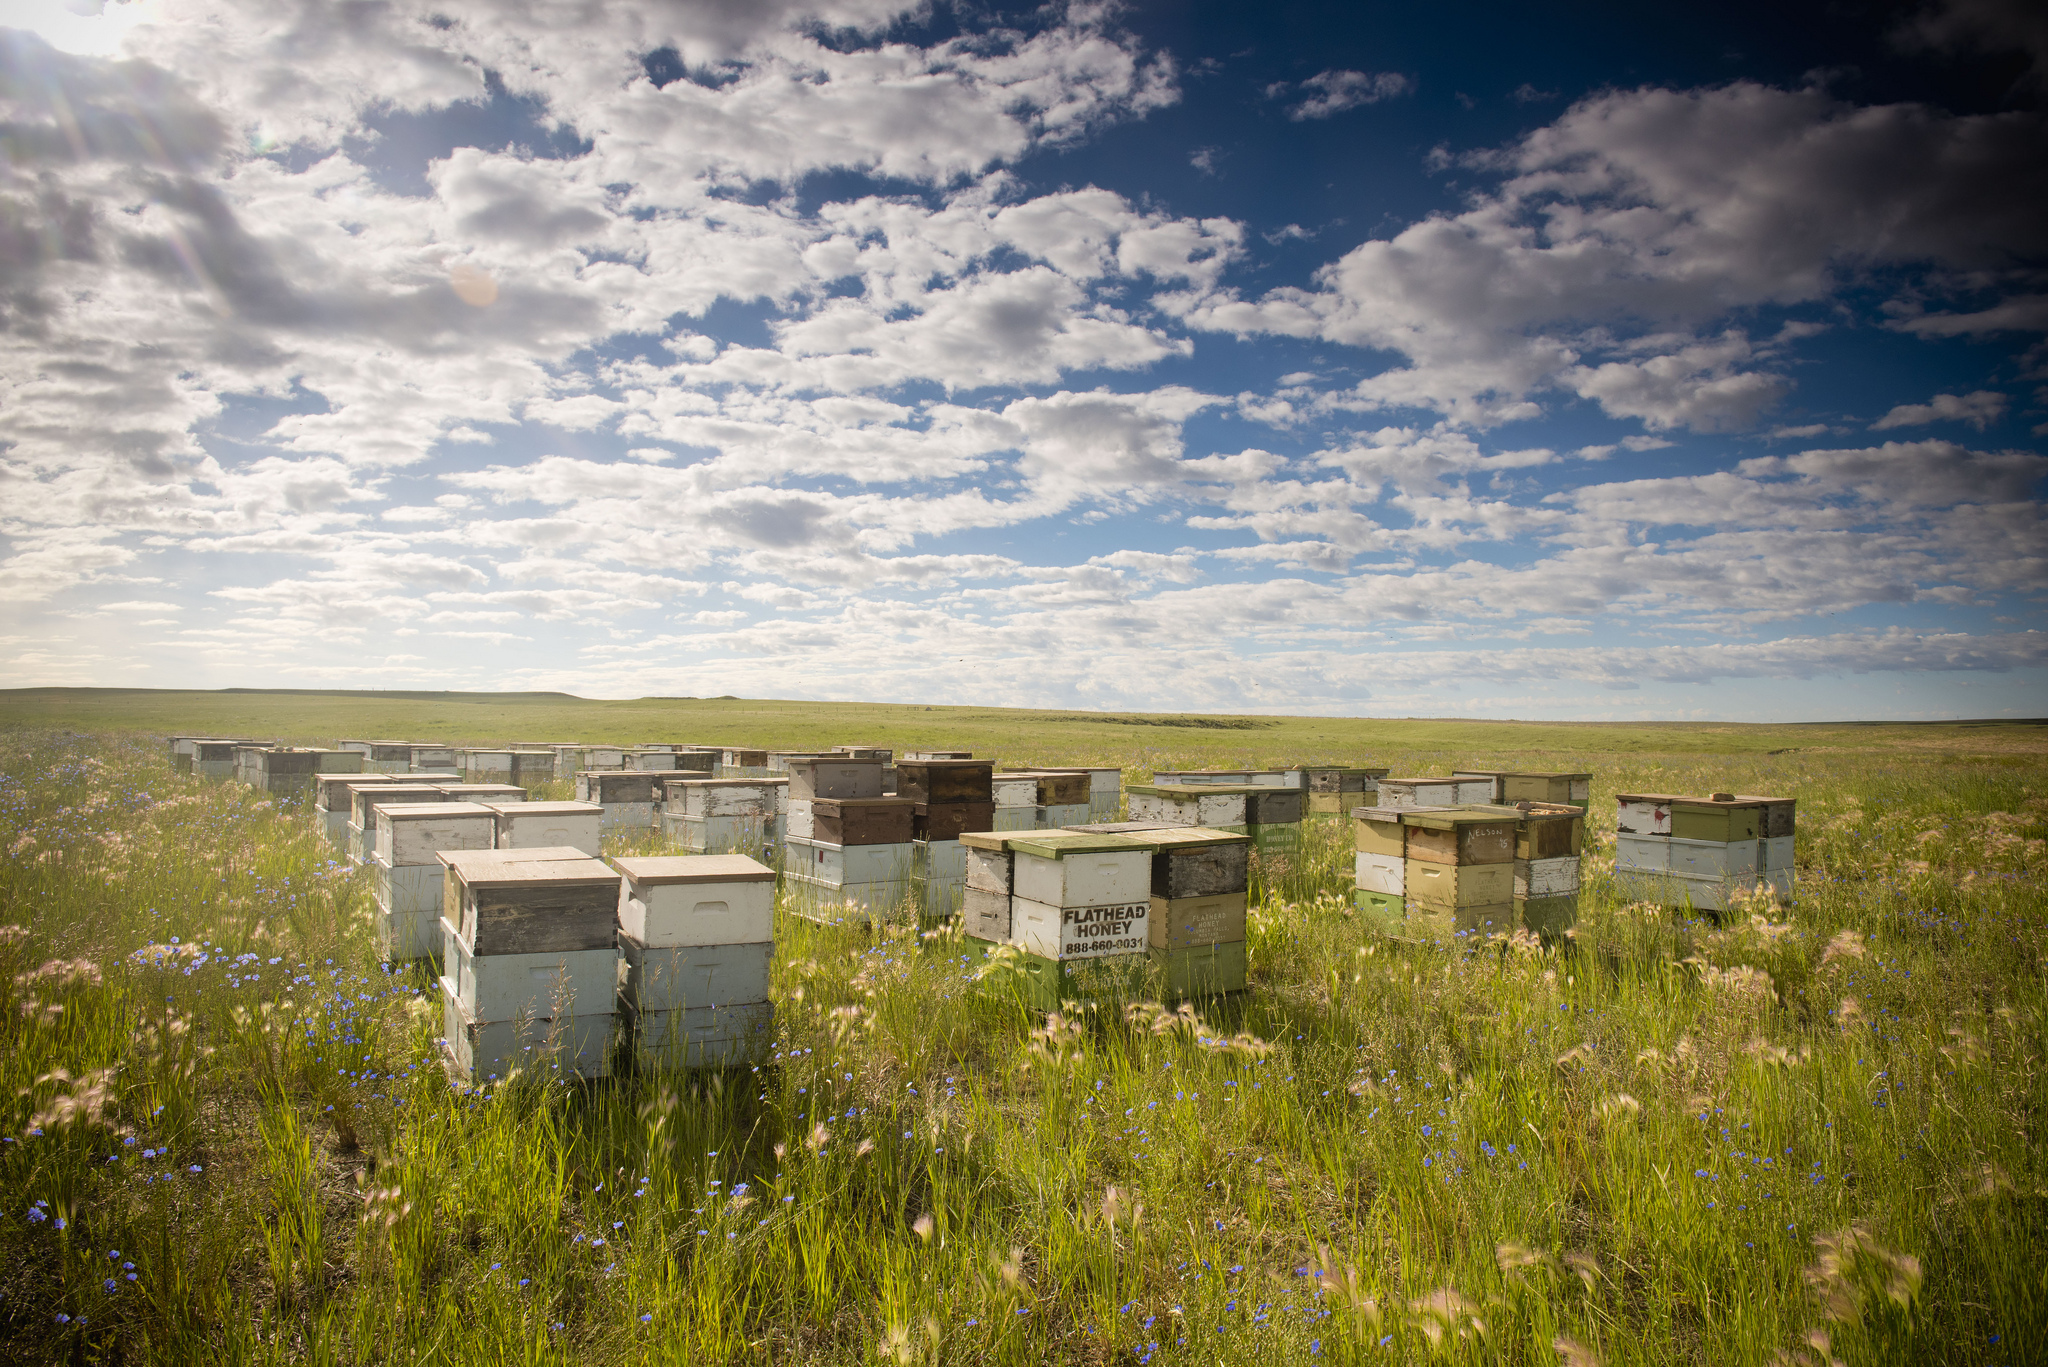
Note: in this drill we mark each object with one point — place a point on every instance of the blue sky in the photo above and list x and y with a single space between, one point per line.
1598 362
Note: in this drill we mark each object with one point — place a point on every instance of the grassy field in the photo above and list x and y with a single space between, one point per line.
1809 1132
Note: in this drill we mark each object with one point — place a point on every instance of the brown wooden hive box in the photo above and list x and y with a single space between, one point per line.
863 820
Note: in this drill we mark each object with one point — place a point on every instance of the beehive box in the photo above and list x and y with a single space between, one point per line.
483 792
1454 886
748 835
363 804
1062 787
546 901
532 767
507 987
704 1037
627 796
943 781
950 820
720 797
1431 923
672 901
1511 786
1434 792
1378 830
740 762
1062 816
1386 912
863 820
651 758
477 1052
1014 819
543 825
1188 804
1381 873
689 977
429 758
485 765
834 777
1013 789
1335 791
1702 851
214 759
1199 970
779 760
1187 922
938 754
1077 896
1043 984
414 834
938 873
332 794
1470 835
838 865
987 872
1105 794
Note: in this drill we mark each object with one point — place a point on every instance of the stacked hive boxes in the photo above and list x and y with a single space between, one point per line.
1459 874
1073 907
1435 792
1065 797
1701 851
429 758
949 798
1335 791
405 868
1511 786
529 961
209 756
1195 932
887 757
1380 869
332 794
1548 838
742 763
848 850
1270 813
1105 794
721 815
1015 798
364 799
697 936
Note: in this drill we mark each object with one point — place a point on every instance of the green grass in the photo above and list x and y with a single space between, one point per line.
1377 1154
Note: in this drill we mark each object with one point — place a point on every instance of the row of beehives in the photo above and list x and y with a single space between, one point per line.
1448 872
547 954
1703 851
1133 908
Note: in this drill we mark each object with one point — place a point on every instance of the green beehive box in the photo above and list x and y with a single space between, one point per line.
1048 984
1548 917
1385 911
1200 971
1723 823
1465 926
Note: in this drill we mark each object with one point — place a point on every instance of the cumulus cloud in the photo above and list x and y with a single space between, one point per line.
1979 409
1333 92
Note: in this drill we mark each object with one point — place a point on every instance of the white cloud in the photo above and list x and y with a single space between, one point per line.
1335 91
1979 409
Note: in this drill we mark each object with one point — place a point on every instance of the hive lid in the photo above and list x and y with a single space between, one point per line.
1429 778
1390 815
963 762
1161 835
548 864
719 782
1450 818
1549 811
1700 799
997 840
427 811
663 870
548 808
1196 789
1059 844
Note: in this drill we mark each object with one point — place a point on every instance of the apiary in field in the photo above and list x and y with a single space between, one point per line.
696 934
1511 786
530 962
1702 851
1435 792
548 825
627 796
1334 791
722 815
406 869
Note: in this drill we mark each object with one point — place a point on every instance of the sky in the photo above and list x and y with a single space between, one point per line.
1582 361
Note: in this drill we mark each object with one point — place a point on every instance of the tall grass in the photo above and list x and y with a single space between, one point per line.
227 1137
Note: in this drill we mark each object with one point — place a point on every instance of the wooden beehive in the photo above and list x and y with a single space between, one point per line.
415 834
946 781
951 820
1484 835
546 901
863 820
696 899
1071 869
687 977
548 825
834 777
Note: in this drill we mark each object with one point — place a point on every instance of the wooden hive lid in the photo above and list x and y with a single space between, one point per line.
1549 811
1060 844
427 811
1431 778
662 870
510 868
1450 818
1389 815
1700 799
547 808
1196 789
996 840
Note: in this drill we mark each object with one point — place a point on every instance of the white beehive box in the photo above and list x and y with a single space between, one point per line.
797 819
1011 819
1380 873
685 900
487 766
1063 815
1082 878
1079 932
650 758
834 776
720 834
720 797
1713 859
1557 877
539 825
705 1037
842 864
1642 818
504 987
1230 778
476 1052
1434 792
438 759
1187 805
690 976
1777 854
416 834
1014 790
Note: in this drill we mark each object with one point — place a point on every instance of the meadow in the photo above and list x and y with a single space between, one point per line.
1805 1134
